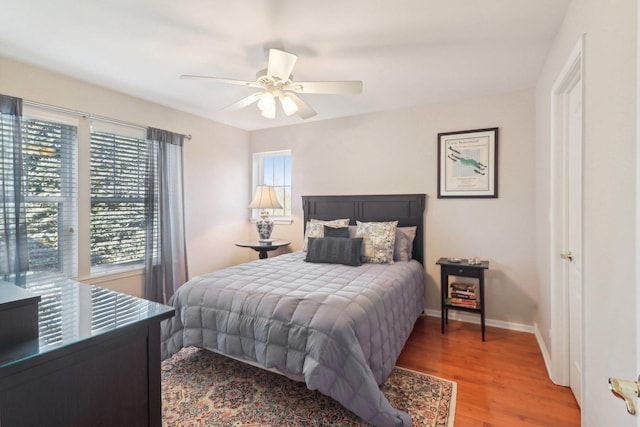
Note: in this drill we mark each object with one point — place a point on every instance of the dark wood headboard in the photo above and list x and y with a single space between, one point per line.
408 209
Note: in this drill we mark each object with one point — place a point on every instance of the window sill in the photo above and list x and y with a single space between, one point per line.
99 275
285 221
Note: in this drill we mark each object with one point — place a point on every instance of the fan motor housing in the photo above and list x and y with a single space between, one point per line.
262 76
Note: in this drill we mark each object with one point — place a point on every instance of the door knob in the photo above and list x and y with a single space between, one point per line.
627 391
567 255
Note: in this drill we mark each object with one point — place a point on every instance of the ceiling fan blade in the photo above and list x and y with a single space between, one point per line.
354 86
221 80
304 111
254 97
281 63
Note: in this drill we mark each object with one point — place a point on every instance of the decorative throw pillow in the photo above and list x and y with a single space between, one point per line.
334 250
315 228
336 231
378 241
403 248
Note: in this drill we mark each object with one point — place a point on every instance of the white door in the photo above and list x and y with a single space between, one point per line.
637 281
629 333
574 235
566 226
626 387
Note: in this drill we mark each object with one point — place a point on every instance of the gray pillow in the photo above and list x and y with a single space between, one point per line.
334 250
403 247
336 231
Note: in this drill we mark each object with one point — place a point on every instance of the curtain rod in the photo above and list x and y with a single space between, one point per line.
90 116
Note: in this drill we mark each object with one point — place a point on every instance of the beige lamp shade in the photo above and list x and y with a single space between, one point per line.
265 198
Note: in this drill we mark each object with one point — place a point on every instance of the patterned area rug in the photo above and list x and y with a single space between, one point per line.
201 388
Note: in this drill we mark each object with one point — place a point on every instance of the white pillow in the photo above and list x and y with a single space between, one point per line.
378 240
315 228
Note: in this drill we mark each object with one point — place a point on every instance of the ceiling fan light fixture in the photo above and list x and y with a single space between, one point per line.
267 105
269 113
288 105
267 102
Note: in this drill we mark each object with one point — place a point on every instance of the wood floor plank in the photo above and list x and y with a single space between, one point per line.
501 382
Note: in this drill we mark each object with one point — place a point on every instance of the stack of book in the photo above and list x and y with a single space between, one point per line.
464 295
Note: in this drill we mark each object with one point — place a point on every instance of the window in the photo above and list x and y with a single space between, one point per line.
49 142
274 168
118 177
103 229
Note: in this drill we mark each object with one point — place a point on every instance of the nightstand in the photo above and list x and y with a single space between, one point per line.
461 268
263 247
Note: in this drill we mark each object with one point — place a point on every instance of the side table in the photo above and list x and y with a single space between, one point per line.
461 268
263 247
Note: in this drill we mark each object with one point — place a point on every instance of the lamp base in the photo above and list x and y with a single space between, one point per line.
264 226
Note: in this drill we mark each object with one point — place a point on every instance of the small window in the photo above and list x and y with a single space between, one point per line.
274 168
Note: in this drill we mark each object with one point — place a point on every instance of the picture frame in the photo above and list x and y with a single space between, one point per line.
467 164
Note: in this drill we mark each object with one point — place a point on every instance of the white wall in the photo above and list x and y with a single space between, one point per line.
609 193
216 161
395 152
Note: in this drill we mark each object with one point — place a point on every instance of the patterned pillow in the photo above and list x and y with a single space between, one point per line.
315 228
378 241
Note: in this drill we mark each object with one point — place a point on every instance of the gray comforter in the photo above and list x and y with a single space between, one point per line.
340 328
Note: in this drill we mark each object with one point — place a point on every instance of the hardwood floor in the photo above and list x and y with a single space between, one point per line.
501 382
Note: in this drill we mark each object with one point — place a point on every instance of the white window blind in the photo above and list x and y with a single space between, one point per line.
274 168
49 154
49 144
118 163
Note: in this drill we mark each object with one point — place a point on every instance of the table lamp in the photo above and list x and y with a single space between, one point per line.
265 198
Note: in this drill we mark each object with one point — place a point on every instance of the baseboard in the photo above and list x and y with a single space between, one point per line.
543 349
471 318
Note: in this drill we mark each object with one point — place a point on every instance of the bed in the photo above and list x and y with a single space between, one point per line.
337 327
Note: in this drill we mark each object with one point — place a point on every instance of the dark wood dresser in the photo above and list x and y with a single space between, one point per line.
96 361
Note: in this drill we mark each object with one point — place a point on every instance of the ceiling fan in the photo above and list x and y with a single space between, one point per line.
276 82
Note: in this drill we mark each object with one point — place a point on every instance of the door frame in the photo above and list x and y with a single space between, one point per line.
637 279
572 72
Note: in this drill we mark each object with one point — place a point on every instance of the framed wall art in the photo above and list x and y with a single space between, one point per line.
467 163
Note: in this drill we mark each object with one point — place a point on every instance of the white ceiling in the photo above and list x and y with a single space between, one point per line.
406 52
